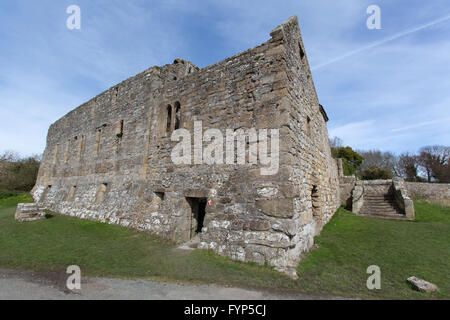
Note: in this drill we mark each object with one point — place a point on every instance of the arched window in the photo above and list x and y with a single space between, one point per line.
169 118
177 115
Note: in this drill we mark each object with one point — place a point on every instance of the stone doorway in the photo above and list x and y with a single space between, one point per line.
198 212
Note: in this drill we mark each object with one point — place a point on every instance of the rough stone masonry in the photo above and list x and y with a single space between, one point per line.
109 159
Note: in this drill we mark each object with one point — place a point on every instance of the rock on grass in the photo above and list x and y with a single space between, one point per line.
422 285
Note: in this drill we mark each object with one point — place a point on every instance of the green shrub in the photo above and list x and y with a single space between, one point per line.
7 194
351 160
19 174
375 173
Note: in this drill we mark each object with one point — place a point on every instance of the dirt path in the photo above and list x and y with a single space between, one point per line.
51 285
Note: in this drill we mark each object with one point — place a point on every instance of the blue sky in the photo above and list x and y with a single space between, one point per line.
387 89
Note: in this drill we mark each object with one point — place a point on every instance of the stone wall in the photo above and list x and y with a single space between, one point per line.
437 192
109 160
403 200
346 186
305 138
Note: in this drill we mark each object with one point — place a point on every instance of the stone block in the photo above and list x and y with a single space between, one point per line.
283 208
422 285
27 212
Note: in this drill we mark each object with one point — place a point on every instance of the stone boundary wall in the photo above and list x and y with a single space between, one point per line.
438 192
346 186
403 199
435 192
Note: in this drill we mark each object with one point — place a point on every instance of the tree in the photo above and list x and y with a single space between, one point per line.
441 172
351 160
434 162
377 158
375 173
445 174
408 167
336 142
8 156
18 174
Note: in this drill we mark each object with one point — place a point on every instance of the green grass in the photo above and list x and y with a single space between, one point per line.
11 199
107 250
347 246
4 194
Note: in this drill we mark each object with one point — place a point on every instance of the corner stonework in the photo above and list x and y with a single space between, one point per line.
403 200
358 198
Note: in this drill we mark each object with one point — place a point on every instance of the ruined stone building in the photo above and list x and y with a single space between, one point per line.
110 159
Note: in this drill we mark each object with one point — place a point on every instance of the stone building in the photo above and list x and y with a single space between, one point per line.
110 159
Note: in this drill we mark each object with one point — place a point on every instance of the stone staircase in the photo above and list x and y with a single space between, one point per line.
191 244
27 212
385 199
382 205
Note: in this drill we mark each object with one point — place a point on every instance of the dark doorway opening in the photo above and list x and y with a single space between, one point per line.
169 119
160 195
198 210
177 115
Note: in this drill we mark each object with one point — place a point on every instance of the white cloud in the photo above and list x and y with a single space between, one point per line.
422 124
381 42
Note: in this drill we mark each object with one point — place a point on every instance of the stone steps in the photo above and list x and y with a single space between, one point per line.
385 216
27 212
191 244
379 199
369 210
389 202
382 206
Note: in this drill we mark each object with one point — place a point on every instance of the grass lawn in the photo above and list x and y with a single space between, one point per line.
347 246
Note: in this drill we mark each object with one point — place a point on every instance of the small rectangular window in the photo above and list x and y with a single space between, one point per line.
119 129
308 126
177 115
169 119
160 195
302 52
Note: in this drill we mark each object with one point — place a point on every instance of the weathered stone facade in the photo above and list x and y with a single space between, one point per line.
109 159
